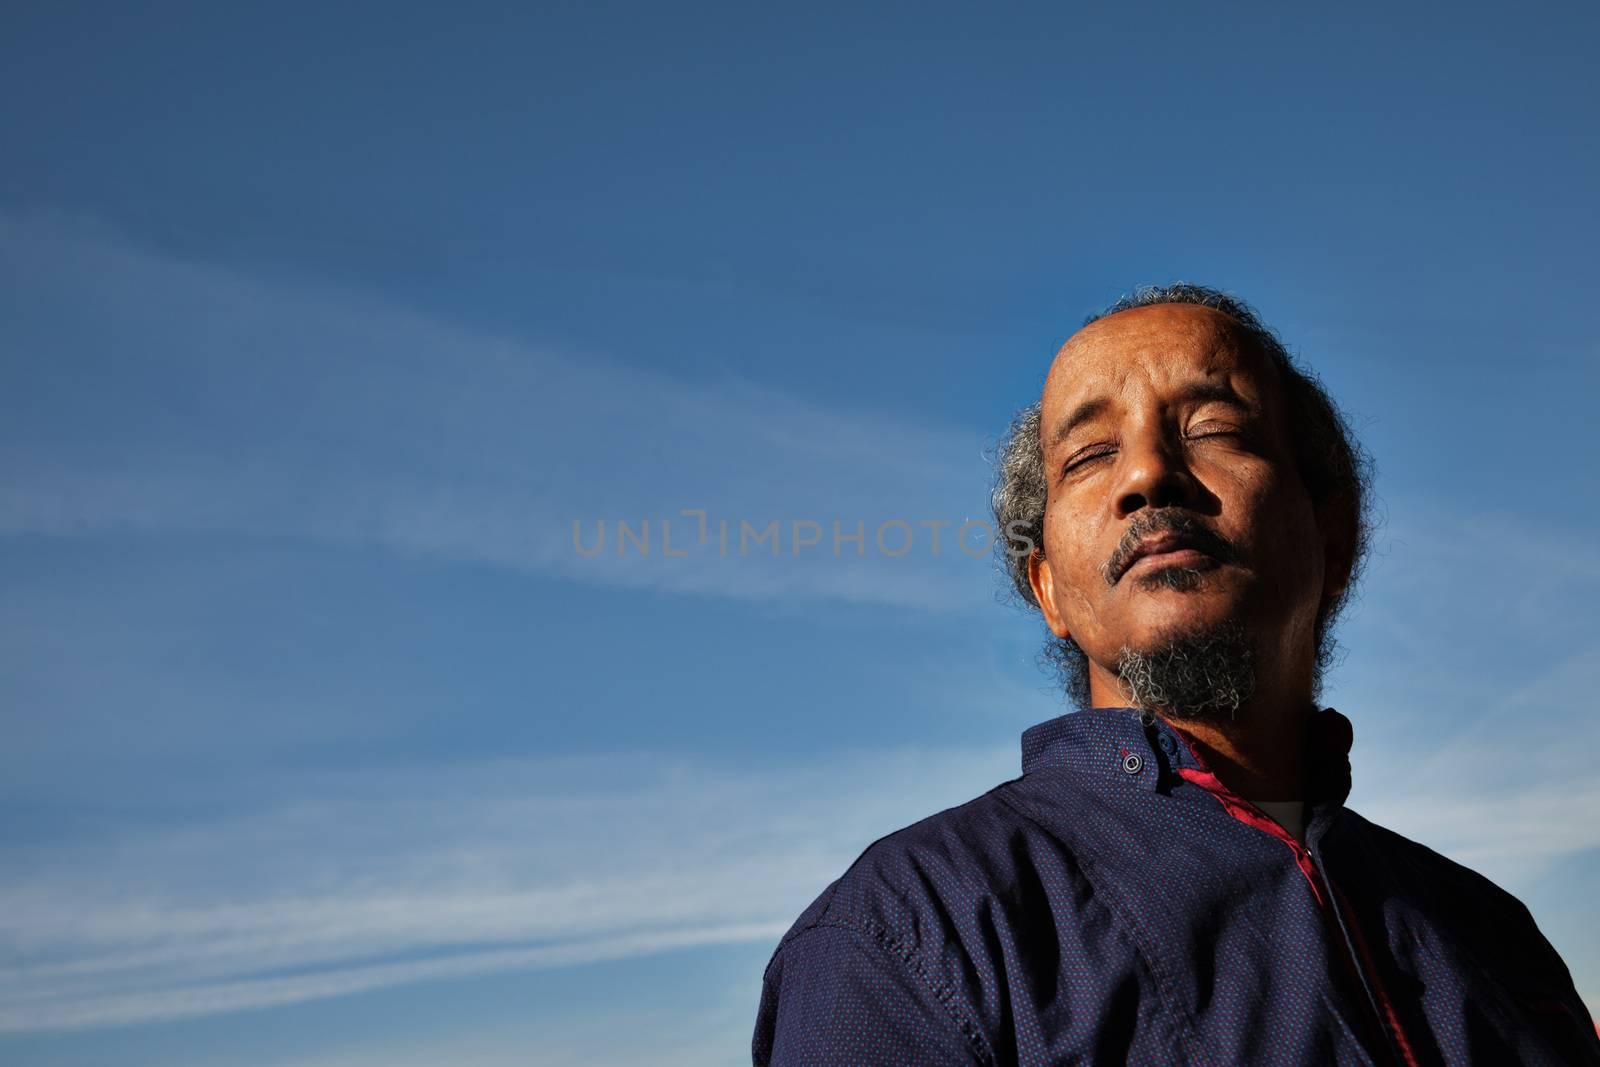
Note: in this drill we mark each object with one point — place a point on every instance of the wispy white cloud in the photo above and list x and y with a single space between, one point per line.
59 1011
1505 788
715 1032
376 880
219 402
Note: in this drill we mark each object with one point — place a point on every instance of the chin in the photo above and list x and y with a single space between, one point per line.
1180 616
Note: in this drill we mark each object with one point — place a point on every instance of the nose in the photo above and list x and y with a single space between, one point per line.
1154 474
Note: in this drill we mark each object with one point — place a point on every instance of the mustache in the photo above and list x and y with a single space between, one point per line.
1175 521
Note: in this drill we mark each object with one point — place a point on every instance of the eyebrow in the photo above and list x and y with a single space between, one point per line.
1207 389
1077 417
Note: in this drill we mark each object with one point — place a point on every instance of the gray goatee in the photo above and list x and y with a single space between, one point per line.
1193 676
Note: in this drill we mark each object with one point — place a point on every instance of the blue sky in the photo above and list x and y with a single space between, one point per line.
320 328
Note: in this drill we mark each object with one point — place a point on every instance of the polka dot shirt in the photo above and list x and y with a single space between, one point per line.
1116 904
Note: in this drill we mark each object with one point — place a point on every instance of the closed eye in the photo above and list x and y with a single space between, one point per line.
1083 458
1215 430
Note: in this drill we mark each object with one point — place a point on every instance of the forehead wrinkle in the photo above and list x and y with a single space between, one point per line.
1217 380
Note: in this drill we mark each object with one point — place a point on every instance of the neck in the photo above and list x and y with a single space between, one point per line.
1260 754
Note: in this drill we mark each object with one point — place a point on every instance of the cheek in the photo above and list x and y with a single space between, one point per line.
1073 564
1287 540
1258 502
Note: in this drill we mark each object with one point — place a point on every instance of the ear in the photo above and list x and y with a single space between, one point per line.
1043 581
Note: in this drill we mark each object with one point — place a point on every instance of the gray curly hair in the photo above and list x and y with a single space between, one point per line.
1331 462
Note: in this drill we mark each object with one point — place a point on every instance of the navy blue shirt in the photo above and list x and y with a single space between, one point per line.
1117 903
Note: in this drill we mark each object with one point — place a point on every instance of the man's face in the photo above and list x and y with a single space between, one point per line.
1163 434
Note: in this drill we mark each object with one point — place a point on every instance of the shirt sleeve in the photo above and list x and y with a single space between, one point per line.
835 995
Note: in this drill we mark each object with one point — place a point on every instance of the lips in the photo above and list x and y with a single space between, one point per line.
1176 549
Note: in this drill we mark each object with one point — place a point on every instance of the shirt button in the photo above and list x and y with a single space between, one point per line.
1168 745
1132 763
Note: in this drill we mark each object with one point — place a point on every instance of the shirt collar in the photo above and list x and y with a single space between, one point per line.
1120 742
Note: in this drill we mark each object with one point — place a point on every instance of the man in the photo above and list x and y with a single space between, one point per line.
1174 878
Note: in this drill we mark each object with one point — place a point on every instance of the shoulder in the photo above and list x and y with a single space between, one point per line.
1453 907
962 852
1422 870
1446 911
889 949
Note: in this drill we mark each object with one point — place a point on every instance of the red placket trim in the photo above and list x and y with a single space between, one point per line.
1252 816
1393 1018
